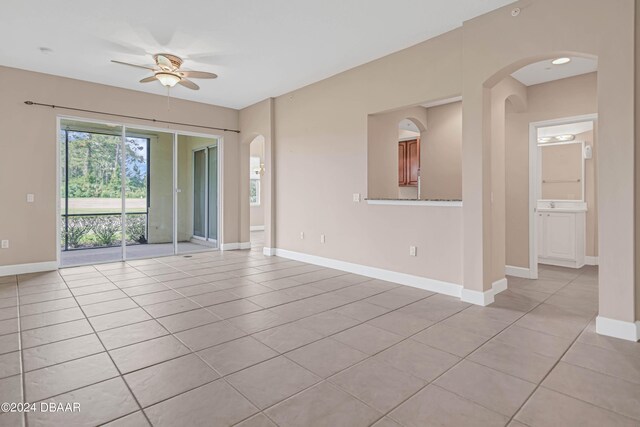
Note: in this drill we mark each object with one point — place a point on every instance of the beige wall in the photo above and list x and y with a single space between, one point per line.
441 153
569 97
27 163
256 213
637 155
321 134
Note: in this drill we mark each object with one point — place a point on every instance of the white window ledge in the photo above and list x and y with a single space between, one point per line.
421 202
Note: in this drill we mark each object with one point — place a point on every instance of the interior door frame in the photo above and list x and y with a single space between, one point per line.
124 125
534 187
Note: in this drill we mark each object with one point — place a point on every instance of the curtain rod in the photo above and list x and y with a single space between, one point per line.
129 117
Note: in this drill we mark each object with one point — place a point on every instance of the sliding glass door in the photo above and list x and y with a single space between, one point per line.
198 193
131 193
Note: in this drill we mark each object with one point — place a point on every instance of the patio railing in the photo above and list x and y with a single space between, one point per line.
102 230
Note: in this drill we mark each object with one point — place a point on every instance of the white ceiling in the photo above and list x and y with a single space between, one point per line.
259 48
569 128
545 71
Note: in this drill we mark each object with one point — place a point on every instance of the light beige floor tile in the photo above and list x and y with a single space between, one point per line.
146 353
187 320
475 323
44 319
613 363
287 337
323 405
492 389
120 318
362 311
9 364
367 338
434 406
9 343
548 408
41 307
108 307
452 340
234 308
553 320
137 419
386 422
214 404
534 341
171 307
417 359
257 321
608 392
514 361
97 297
99 403
436 308
131 334
164 380
209 335
272 381
235 355
61 351
258 420
56 379
157 297
378 384
327 323
400 323
326 357
44 296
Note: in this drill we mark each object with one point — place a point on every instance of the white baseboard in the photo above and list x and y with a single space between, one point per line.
256 228
36 267
235 246
425 283
484 298
269 251
629 331
591 260
522 272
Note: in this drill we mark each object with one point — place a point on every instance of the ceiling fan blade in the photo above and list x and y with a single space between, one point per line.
188 83
149 79
146 67
198 75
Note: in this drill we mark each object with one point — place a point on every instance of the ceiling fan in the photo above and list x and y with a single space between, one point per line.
167 72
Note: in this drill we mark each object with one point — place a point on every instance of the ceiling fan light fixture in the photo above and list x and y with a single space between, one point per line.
168 79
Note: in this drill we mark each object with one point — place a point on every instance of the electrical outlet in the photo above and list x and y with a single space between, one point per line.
301 235
322 239
5 244
31 198
413 251
356 197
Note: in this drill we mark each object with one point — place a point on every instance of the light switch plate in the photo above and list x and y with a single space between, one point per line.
301 235
322 239
31 198
5 244
356 197
413 251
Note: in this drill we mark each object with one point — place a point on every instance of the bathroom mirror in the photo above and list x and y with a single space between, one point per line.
561 171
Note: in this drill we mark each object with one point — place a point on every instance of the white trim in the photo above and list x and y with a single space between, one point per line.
409 202
487 297
425 283
269 251
235 246
499 286
522 272
256 228
476 297
590 260
35 267
629 331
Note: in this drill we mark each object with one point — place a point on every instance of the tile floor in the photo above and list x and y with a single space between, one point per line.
237 338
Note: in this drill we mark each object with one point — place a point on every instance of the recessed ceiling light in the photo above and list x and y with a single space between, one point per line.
560 61
45 50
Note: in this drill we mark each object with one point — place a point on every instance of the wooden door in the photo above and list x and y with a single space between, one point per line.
402 163
413 161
